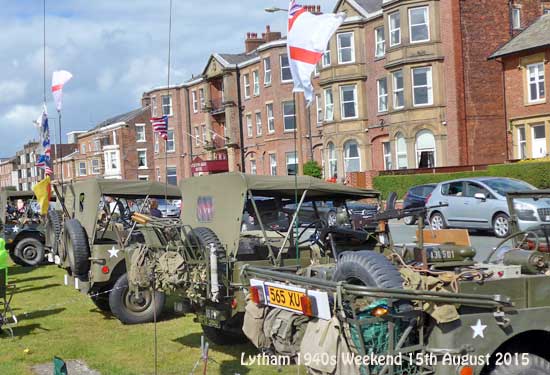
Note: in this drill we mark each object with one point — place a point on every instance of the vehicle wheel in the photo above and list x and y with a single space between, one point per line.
536 366
437 221
207 238
16 259
409 220
30 251
77 248
501 225
372 269
132 309
219 336
331 218
53 228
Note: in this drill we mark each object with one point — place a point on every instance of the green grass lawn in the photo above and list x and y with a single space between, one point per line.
56 320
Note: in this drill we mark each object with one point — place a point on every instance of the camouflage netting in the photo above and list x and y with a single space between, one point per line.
169 271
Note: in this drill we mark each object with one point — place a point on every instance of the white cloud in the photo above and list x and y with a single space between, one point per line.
11 91
116 50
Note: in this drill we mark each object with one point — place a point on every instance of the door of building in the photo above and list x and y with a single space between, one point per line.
539 141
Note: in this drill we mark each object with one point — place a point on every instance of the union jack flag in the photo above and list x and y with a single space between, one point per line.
44 150
160 126
294 10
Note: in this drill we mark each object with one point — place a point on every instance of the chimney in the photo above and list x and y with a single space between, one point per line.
252 42
271 35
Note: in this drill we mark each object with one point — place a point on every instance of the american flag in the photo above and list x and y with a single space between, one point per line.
160 125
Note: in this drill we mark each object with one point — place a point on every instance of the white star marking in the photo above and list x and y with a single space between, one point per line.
15 229
478 329
113 253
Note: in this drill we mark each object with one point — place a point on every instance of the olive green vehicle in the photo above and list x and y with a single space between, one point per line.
87 241
22 228
397 310
201 256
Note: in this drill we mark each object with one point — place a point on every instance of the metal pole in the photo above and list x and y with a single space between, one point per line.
60 159
309 133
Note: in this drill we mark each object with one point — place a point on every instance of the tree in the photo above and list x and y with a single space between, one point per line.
312 168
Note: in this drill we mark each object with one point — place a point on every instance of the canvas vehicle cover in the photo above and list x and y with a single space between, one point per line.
218 200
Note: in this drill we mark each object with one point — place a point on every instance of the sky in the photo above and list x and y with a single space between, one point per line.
116 50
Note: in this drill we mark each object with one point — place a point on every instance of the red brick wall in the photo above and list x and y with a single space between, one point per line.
515 92
485 26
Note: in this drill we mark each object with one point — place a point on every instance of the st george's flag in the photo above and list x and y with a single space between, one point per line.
160 126
59 79
307 39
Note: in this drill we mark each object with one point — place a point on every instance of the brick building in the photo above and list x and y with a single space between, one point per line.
408 83
525 69
118 148
8 173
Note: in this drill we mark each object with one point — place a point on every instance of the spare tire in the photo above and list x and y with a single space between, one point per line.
77 248
370 269
53 229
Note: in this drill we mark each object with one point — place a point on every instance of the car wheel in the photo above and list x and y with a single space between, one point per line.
437 221
77 248
331 219
501 225
30 251
130 308
535 366
16 259
409 220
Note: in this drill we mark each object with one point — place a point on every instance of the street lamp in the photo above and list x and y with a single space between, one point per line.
275 9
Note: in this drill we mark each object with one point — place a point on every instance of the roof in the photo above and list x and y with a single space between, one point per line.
534 36
122 188
238 58
121 118
370 6
286 186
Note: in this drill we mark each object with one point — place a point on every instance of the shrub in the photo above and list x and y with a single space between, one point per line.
313 169
535 173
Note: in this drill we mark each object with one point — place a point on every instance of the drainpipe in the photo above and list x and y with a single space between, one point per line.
505 109
189 132
240 109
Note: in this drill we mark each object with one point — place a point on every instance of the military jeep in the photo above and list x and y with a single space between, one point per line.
395 310
200 256
96 226
22 227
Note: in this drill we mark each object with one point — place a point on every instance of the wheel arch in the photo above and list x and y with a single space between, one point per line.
524 342
27 234
496 213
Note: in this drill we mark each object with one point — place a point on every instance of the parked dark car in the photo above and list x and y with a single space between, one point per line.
416 197
360 212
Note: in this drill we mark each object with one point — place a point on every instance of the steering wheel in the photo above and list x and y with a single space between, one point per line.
318 224
525 235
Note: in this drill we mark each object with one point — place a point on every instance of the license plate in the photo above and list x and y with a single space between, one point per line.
285 298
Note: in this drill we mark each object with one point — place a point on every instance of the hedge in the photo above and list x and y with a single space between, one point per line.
537 174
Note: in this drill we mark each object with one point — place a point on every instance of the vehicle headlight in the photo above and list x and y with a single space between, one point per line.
525 212
364 212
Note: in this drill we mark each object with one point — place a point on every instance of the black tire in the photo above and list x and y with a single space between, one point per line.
206 236
130 311
101 302
371 269
501 225
30 251
536 366
16 259
409 220
52 230
77 248
437 221
220 336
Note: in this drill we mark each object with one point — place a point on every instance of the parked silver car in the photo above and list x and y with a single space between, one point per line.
480 203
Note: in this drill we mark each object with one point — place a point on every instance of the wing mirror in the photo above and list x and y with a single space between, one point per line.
480 196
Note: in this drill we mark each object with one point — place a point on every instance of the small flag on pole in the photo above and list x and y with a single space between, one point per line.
160 126
44 149
59 79
307 39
